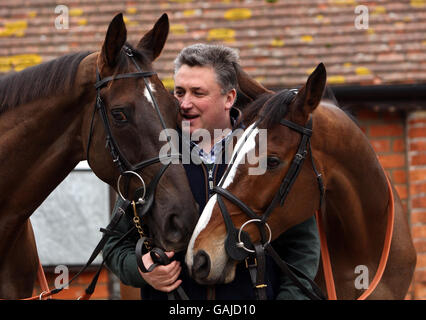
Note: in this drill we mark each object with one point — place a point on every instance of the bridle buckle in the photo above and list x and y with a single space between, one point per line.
128 51
250 265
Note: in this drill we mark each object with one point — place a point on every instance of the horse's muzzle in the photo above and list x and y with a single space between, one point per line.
201 266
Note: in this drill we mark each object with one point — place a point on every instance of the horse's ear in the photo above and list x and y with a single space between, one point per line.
114 40
249 87
311 93
153 41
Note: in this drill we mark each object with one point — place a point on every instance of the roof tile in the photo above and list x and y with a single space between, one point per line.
278 41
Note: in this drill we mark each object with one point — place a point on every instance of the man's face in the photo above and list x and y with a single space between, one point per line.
201 101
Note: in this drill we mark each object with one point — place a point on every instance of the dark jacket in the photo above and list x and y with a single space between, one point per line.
298 246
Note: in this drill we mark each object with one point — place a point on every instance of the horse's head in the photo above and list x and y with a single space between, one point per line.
213 241
122 132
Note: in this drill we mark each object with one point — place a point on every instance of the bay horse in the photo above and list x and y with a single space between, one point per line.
354 201
52 117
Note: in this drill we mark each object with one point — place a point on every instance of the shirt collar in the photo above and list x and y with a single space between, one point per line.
216 151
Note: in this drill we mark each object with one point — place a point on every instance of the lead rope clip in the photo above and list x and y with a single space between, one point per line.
137 222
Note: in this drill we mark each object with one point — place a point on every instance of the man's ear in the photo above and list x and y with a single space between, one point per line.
153 41
230 99
114 41
309 97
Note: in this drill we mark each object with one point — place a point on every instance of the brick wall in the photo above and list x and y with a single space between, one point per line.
416 142
400 142
386 131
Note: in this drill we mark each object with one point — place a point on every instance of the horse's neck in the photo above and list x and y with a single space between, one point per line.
356 187
39 146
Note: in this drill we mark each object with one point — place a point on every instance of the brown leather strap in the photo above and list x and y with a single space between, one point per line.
159 258
325 256
260 287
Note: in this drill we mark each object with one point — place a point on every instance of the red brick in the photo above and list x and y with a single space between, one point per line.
421 261
417 174
72 293
392 161
420 291
417 132
419 231
420 276
419 216
417 121
418 202
101 292
387 130
420 245
380 145
87 277
398 145
418 146
418 159
418 188
399 176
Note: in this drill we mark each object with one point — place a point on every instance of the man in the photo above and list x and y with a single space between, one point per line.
205 86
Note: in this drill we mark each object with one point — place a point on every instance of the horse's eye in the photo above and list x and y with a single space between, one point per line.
119 115
273 162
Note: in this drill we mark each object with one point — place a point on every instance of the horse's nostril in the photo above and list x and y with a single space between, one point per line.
174 230
201 266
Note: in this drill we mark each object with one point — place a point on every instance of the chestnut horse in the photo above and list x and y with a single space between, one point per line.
355 196
49 122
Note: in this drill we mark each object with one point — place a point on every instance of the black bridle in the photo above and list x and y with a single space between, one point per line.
118 157
238 244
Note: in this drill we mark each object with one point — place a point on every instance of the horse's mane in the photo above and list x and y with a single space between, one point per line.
39 81
278 107
52 77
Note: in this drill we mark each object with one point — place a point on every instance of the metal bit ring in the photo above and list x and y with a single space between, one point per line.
141 200
240 244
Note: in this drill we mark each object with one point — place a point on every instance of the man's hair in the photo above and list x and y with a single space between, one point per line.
220 58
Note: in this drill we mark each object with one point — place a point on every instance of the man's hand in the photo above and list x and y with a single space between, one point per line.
162 278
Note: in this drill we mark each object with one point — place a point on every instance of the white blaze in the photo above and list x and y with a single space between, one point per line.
247 143
146 93
201 224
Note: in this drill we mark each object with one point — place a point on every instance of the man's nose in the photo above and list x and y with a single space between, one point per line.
185 102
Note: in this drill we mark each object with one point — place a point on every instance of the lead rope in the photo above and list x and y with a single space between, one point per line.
325 256
44 285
